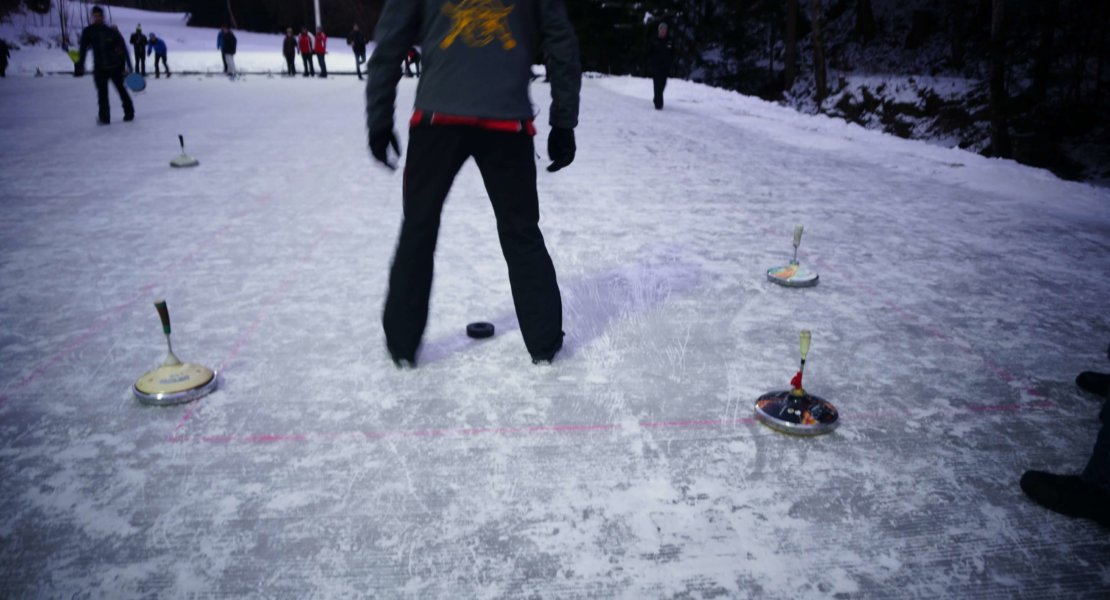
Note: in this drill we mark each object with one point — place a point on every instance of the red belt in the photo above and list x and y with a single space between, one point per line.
420 117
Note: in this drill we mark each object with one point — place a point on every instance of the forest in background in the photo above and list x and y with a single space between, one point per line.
1027 80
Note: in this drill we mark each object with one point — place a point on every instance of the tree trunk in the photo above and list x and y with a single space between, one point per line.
231 16
790 53
865 21
819 74
1043 62
957 15
1000 139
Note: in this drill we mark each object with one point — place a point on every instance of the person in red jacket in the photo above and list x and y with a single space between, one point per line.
304 42
321 50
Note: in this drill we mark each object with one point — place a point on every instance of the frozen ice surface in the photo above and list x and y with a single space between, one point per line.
959 297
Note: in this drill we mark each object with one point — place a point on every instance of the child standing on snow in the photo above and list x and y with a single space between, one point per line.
158 48
304 42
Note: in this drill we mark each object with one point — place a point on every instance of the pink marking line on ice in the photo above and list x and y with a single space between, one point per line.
113 314
247 336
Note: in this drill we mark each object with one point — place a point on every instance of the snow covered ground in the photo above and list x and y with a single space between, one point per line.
959 297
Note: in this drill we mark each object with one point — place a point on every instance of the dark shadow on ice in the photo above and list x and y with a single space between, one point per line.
592 302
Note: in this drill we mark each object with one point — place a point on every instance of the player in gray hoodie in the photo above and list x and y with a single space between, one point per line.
472 101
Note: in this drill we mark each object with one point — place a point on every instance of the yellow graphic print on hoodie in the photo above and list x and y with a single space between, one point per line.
478 22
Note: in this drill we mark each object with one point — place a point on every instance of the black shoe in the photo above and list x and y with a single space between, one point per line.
129 117
1068 495
404 364
546 358
100 121
1095 383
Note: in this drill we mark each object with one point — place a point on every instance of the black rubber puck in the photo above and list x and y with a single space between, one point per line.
479 329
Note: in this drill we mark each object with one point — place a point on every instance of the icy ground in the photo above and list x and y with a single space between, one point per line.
959 297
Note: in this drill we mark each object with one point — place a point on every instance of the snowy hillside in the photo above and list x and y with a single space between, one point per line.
958 298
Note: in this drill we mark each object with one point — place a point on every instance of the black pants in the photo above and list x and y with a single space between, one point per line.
323 66
101 79
223 57
162 58
140 62
306 62
508 167
290 68
360 57
660 85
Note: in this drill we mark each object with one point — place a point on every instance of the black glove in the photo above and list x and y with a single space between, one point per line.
560 148
380 141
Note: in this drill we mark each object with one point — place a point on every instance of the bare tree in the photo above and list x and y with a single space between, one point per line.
819 73
1000 139
790 53
1043 62
865 21
957 14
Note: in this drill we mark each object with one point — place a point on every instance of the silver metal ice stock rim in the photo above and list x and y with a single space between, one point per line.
794 428
789 283
178 397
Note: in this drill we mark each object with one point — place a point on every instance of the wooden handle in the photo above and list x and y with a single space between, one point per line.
164 314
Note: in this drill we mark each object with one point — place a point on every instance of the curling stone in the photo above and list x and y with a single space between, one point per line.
174 382
184 160
796 411
793 274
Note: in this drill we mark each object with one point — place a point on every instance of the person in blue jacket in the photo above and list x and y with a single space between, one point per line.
157 47
220 47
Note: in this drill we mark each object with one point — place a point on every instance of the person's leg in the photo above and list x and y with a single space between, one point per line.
323 65
100 79
125 98
230 65
435 155
660 83
157 68
508 168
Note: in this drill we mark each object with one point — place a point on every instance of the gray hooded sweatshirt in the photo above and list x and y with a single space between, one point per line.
477 59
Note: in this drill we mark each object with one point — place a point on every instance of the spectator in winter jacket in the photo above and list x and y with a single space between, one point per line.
660 59
227 47
473 102
289 51
1086 495
156 46
357 42
304 42
321 48
109 60
138 41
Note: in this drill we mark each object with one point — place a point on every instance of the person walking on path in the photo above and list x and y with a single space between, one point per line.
109 64
357 42
138 41
321 48
157 47
304 44
228 45
289 51
473 102
1087 495
661 58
